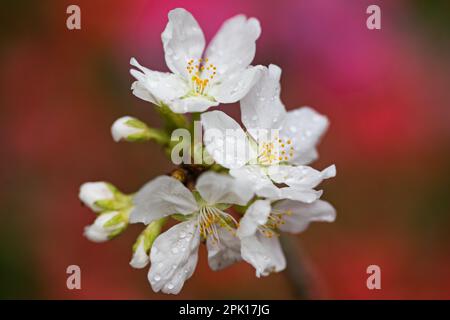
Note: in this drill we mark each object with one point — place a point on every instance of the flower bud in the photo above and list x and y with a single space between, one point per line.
106 226
92 192
140 255
144 242
129 129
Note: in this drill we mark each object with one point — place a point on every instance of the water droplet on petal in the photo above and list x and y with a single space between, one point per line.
174 250
170 286
156 278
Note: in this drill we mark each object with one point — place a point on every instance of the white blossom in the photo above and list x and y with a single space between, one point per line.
200 78
276 146
259 228
173 255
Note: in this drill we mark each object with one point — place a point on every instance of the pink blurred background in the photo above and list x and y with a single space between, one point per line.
385 91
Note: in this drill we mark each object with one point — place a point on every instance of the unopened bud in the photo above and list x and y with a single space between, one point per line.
107 226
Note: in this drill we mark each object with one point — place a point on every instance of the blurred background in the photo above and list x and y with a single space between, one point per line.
385 91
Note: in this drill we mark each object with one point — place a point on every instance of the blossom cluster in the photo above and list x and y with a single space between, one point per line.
238 203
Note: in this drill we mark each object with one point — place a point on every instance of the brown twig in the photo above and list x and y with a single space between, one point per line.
299 270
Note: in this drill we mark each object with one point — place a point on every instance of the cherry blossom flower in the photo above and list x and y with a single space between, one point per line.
259 227
276 146
174 253
200 78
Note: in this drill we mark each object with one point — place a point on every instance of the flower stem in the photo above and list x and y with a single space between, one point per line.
299 270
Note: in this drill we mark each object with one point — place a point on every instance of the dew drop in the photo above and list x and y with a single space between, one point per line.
174 250
156 278
170 286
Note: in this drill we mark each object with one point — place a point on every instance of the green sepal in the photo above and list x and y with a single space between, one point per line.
172 120
181 217
150 233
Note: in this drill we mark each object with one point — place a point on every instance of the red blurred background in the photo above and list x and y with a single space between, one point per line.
385 92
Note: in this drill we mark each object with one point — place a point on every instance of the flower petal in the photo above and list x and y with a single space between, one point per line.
183 40
141 92
305 127
262 108
174 257
161 86
255 216
225 140
191 104
235 86
233 47
296 193
300 181
301 176
256 177
162 197
263 253
225 252
303 214
219 188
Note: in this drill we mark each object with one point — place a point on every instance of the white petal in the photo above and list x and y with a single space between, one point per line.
256 177
120 130
255 216
174 257
305 127
298 194
91 192
235 86
303 214
225 252
140 258
183 40
162 197
233 47
141 92
191 104
225 140
162 87
97 232
303 176
262 108
220 188
263 253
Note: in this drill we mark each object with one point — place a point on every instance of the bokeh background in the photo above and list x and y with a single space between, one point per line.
386 93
